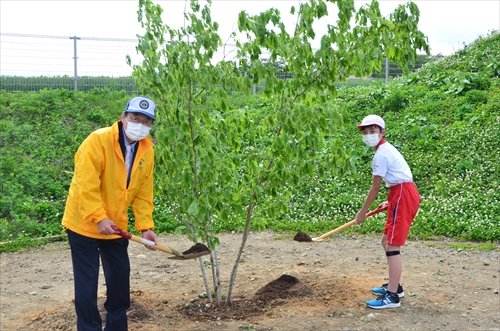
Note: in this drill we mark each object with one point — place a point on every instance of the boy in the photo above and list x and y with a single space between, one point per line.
403 199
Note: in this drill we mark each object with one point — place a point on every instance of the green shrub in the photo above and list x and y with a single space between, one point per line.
476 97
396 101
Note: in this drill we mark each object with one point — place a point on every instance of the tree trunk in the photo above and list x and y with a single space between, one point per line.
202 266
232 279
212 262
217 270
205 280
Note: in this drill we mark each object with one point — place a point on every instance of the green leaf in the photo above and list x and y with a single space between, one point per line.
223 105
171 134
193 208
180 229
223 215
214 241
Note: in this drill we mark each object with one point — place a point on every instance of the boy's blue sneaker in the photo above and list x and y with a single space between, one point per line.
384 301
383 289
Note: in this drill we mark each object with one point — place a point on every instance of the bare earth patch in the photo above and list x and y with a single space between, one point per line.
282 284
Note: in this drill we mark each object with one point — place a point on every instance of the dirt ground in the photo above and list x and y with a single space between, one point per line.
445 289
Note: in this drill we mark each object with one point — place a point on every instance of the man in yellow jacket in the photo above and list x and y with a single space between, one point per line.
113 170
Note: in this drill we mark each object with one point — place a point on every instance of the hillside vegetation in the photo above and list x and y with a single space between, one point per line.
444 118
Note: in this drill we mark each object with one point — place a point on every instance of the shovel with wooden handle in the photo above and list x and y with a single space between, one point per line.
381 207
164 248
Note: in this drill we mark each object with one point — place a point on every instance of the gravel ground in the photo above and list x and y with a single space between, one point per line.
445 289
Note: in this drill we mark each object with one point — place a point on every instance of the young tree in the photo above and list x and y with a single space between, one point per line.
303 110
218 164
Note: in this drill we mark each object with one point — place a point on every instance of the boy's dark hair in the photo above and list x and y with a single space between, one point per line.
373 125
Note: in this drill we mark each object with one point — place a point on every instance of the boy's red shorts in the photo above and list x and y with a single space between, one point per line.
404 201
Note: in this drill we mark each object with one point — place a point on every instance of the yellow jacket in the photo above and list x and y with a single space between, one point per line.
99 186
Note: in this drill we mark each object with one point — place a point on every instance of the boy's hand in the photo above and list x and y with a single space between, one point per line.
360 216
383 205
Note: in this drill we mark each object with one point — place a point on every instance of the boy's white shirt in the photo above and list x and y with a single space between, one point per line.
389 164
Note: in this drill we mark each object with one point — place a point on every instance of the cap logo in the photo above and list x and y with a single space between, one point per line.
144 104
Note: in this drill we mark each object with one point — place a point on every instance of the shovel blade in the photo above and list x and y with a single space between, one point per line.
188 256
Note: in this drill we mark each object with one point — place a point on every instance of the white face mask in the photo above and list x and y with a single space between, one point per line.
371 140
136 131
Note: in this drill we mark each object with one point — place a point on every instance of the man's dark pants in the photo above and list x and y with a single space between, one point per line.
85 253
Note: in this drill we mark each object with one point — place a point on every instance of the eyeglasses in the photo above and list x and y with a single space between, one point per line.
137 119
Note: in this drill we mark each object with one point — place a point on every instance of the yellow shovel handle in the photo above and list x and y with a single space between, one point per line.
380 208
145 241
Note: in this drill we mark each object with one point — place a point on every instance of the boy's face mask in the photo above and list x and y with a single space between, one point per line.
371 140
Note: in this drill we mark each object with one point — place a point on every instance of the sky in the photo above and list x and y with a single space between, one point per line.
448 24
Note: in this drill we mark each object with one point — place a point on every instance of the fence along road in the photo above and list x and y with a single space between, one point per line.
31 62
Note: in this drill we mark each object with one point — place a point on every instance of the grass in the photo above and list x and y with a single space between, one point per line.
465 246
25 243
484 247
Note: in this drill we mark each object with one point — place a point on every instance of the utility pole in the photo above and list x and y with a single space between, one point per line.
75 79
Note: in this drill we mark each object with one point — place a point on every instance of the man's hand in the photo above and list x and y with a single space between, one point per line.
104 226
150 235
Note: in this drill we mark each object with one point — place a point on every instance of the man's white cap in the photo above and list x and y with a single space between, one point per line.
372 120
141 105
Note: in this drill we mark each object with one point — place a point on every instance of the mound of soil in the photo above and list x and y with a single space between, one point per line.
302 237
202 311
282 288
136 313
198 248
64 317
